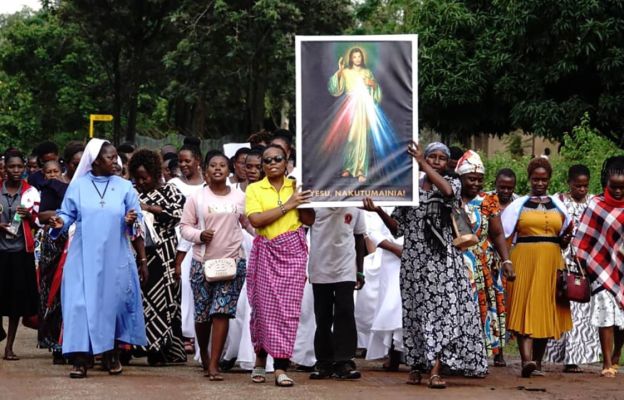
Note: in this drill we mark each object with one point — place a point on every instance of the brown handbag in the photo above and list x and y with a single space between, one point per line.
463 237
572 286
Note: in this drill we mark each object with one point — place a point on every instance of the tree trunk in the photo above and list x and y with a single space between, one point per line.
116 100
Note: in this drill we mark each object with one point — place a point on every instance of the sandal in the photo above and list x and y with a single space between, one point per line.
258 375
215 377
78 372
608 373
10 357
414 378
499 361
115 367
528 368
436 382
572 369
283 380
538 372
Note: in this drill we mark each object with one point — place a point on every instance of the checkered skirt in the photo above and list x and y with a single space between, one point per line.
276 275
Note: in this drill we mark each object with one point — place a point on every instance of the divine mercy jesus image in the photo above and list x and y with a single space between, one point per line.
359 126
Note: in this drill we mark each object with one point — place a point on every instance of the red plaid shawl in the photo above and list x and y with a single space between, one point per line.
599 245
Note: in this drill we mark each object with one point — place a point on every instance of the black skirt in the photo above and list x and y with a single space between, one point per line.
19 296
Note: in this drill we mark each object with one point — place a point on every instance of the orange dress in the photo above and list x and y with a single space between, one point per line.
536 257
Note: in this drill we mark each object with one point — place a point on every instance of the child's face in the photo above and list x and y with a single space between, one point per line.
32 165
615 186
52 171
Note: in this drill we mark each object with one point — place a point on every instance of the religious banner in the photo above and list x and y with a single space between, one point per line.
357 111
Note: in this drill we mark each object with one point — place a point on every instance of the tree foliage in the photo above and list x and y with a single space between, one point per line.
49 81
234 64
494 66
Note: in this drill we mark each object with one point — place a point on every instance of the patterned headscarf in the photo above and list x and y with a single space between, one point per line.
470 162
437 146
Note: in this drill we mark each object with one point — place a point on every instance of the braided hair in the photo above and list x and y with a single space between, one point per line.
611 166
577 170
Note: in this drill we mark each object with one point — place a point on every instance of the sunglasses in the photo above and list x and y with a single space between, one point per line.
269 160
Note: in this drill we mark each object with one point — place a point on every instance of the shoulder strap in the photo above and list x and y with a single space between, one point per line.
200 218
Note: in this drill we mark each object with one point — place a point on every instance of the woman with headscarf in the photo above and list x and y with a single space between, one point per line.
483 211
540 227
440 319
100 295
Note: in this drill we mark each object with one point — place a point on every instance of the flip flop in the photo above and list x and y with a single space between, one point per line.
10 357
215 377
538 372
608 373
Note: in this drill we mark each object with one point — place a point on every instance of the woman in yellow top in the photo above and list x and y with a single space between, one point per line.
540 226
276 271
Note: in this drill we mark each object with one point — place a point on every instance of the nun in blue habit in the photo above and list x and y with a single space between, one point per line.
100 294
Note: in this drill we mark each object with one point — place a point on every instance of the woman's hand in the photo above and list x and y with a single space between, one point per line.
369 205
508 271
565 240
143 272
130 217
154 209
340 65
414 150
56 222
24 213
298 198
206 236
5 227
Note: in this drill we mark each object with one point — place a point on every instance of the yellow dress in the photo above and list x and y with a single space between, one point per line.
536 257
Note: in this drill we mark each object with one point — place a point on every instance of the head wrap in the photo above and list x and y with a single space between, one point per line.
88 156
470 162
437 146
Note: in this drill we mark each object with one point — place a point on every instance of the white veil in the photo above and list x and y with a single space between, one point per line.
88 156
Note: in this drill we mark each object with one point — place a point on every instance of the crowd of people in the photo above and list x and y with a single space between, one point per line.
115 253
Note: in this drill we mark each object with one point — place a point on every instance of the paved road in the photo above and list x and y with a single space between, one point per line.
34 376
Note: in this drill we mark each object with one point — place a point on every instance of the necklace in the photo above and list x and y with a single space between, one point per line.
102 202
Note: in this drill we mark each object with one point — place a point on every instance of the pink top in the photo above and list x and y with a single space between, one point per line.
221 214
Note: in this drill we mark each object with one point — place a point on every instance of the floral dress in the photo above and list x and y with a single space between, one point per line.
481 261
440 318
580 345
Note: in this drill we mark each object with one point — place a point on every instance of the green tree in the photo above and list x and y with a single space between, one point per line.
502 65
234 64
48 80
129 38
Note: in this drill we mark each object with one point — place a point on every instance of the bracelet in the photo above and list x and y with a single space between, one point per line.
282 208
361 275
143 259
507 262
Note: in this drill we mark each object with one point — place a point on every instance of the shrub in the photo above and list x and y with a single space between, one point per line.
584 146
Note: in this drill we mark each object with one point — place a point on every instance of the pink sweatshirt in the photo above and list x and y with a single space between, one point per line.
221 214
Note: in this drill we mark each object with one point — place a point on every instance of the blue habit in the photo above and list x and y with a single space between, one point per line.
100 293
